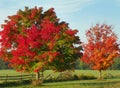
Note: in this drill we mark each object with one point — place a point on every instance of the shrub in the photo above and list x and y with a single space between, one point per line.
107 76
76 77
67 75
86 77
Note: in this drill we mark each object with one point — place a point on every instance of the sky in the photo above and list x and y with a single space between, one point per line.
80 14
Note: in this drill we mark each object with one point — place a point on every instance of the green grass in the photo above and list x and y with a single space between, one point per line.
10 73
78 72
105 83
95 72
72 84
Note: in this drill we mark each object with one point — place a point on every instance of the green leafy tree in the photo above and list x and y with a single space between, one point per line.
81 65
116 65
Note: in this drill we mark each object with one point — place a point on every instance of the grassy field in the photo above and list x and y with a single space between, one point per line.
78 72
105 83
72 84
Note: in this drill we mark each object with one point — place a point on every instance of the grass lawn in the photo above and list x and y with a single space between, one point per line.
95 72
10 73
78 72
73 84
105 83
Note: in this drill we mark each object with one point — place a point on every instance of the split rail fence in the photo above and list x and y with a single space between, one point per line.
17 77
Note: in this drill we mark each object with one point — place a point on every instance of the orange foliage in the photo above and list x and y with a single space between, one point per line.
101 48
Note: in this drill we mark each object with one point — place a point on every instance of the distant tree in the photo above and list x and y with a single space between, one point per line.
3 65
81 65
32 40
101 48
116 65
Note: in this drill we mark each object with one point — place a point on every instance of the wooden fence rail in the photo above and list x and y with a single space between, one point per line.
23 77
18 77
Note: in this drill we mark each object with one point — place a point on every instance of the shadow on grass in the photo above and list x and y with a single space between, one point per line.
60 83
14 83
97 83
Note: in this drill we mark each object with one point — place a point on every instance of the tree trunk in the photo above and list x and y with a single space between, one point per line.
37 76
100 75
37 82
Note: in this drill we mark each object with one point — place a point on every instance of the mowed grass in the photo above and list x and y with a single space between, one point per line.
105 83
96 73
77 72
74 84
10 73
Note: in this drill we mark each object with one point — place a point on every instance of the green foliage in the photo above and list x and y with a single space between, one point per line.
108 76
3 65
81 65
86 77
116 65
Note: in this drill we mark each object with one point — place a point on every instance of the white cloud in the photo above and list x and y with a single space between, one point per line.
69 6
62 7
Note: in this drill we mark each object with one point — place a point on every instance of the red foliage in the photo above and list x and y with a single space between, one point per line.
32 39
71 32
101 48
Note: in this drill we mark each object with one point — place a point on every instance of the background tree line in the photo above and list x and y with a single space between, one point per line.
80 65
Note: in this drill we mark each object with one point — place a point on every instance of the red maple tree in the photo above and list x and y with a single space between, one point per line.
101 48
32 40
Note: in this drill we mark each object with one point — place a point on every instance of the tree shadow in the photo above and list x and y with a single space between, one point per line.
14 83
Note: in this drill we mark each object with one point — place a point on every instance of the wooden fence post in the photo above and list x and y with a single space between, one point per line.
32 76
6 78
21 76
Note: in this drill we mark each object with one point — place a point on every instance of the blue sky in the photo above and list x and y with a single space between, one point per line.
80 14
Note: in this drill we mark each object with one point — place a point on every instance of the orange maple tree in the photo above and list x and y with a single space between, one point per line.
101 48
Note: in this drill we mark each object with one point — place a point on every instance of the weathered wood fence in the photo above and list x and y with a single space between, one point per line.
17 77
21 77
